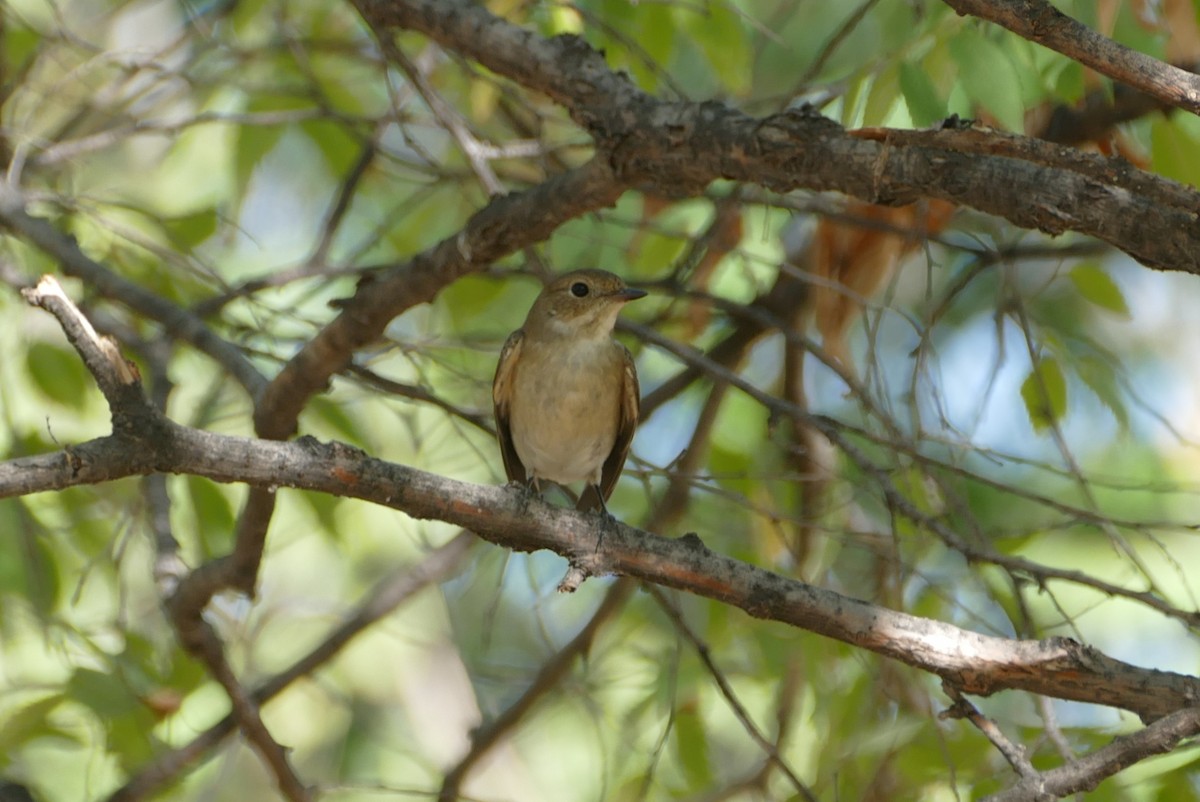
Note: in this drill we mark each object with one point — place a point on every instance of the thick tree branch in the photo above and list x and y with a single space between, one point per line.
1039 21
677 149
974 663
136 420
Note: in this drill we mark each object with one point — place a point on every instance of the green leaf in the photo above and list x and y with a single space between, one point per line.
189 230
254 142
334 416
1094 284
339 147
214 516
989 78
924 105
59 374
20 44
881 100
1173 148
29 565
1045 394
31 722
721 35
1069 84
1101 378
692 743
104 693
651 25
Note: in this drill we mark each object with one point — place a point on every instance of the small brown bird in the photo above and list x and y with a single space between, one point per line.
566 393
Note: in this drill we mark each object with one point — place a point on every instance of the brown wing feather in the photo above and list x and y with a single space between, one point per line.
631 405
502 387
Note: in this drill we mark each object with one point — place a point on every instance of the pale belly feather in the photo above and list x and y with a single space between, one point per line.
564 421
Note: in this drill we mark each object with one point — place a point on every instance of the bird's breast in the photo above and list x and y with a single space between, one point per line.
565 408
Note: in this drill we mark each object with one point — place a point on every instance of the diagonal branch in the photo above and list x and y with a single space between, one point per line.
972 662
1085 773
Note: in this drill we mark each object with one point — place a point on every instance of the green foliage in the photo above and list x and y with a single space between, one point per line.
924 105
1045 393
1094 284
1174 143
26 724
59 374
989 77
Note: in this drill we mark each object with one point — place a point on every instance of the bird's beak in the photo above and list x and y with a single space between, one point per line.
627 294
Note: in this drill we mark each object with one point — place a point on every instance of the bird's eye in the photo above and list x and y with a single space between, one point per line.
579 289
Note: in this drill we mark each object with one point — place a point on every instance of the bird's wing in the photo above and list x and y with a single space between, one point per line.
627 421
502 392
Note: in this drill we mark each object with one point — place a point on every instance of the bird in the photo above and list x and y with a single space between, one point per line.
566 393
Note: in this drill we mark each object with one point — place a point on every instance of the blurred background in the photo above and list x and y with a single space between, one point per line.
1005 408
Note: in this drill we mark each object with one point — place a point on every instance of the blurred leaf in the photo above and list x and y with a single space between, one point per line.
562 19
692 743
214 516
19 44
1069 85
1173 148
1101 378
30 722
188 231
465 300
924 105
656 250
654 29
324 506
340 149
349 85
882 97
1094 284
59 373
255 141
40 580
131 737
722 36
103 693
1045 393
334 416
989 77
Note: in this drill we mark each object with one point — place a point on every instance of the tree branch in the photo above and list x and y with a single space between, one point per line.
677 149
1085 773
971 662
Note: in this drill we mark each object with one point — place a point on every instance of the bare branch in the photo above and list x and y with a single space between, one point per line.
115 377
1085 773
